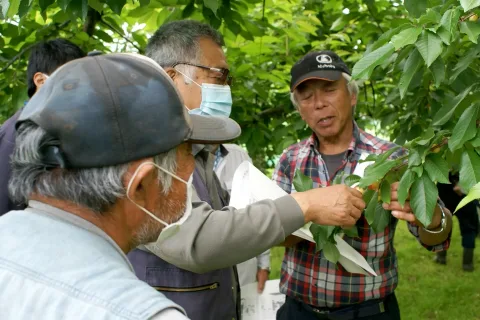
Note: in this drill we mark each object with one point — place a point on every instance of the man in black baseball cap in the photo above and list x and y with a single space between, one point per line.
103 158
321 65
325 96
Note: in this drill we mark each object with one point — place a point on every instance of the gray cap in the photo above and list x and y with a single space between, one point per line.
112 109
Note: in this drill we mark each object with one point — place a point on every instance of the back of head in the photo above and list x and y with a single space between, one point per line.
179 41
47 56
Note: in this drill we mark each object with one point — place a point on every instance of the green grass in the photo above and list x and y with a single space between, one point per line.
427 290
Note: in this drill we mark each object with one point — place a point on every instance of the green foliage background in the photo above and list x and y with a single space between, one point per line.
416 62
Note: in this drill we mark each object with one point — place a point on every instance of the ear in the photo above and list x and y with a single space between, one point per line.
353 100
172 73
39 79
140 182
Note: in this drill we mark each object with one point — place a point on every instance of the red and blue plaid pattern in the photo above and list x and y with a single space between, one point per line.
308 276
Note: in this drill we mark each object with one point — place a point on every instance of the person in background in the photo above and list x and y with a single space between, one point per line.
196 266
322 91
451 195
227 159
45 58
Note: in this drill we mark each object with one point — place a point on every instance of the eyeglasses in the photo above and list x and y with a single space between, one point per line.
219 73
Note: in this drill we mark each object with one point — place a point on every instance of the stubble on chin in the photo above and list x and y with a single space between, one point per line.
170 212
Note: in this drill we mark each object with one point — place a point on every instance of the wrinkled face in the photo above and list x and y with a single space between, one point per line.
211 56
326 106
168 207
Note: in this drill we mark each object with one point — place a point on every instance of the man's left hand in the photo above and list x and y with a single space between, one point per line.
262 277
399 212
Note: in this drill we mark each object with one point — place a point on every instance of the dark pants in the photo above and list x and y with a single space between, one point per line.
296 310
468 221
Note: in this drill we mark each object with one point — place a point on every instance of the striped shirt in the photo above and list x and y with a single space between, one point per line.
308 276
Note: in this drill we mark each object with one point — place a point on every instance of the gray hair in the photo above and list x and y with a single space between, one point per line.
351 86
178 41
94 188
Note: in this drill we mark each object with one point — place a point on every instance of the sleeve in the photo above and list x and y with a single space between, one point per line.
169 314
263 260
282 173
214 239
413 228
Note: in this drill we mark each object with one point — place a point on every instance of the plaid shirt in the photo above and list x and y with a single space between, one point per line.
308 276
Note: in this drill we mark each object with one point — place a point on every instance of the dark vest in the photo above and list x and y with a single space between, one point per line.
206 296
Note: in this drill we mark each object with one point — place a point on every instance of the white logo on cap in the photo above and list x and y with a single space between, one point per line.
324 58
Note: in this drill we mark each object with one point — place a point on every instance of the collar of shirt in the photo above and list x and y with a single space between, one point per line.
314 143
75 220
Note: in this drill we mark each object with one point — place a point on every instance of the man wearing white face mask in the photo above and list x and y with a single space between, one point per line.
216 237
103 172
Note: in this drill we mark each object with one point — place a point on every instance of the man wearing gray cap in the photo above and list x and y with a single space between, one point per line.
103 157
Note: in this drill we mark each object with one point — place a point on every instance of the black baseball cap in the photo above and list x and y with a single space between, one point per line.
115 108
323 65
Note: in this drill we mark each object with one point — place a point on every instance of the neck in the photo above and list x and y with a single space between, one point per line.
336 144
113 225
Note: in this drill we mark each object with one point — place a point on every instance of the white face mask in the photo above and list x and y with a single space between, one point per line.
216 99
172 228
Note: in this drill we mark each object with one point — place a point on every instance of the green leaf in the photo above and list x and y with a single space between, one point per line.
414 158
79 8
320 234
367 195
385 191
431 16
381 220
351 232
212 5
472 195
424 197
471 29
64 4
371 208
338 178
412 65
469 169
415 7
469 4
44 4
438 71
449 23
404 186
188 10
24 7
465 129
375 173
418 170
97 5
437 168
301 182
430 46
331 253
351 180
425 138
444 35
446 112
406 37
365 66
116 5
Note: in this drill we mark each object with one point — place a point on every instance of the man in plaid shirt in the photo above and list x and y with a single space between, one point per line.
325 96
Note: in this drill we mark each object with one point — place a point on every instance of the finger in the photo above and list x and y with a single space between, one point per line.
260 286
394 196
349 222
394 186
355 213
358 203
402 215
395 205
356 193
